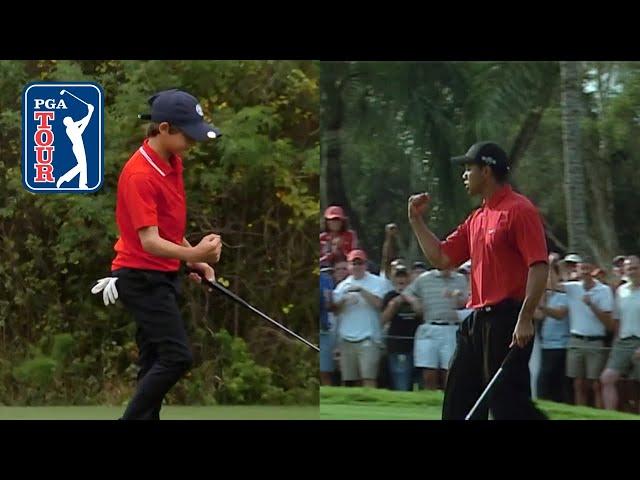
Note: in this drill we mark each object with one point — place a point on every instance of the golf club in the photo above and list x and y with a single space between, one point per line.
66 91
233 296
493 380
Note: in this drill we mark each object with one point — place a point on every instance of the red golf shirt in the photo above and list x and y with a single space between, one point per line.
150 193
503 238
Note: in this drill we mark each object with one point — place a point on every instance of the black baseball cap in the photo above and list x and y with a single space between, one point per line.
182 110
485 153
618 259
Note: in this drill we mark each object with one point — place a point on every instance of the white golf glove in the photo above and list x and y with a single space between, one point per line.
107 286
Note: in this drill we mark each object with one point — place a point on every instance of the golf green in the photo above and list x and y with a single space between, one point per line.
168 413
338 403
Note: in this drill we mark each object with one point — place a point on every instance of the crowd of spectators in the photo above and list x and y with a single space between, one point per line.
395 326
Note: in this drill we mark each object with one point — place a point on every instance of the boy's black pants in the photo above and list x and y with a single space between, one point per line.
164 353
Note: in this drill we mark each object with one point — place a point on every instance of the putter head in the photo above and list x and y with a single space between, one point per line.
62 92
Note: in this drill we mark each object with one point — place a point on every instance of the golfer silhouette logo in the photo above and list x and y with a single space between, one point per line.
62 148
74 132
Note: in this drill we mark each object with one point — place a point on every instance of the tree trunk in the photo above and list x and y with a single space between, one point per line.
599 175
332 117
601 188
573 166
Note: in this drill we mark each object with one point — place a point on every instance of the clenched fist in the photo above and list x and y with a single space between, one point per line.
208 250
418 205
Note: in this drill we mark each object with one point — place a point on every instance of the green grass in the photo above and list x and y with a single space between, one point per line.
337 403
168 413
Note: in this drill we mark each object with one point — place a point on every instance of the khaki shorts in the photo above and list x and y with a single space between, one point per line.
359 360
585 358
621 359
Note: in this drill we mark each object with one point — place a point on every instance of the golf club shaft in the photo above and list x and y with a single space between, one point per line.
233 296
484 394
66 91
488 388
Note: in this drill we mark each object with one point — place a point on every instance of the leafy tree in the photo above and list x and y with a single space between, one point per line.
257 186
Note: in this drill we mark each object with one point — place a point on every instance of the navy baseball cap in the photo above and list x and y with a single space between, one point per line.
484 153
183 111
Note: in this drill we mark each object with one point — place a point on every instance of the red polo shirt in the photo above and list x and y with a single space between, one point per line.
503 238
150 193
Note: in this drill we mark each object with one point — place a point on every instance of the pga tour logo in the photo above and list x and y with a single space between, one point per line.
62 146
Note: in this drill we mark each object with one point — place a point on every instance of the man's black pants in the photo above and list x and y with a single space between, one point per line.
164 354
482 344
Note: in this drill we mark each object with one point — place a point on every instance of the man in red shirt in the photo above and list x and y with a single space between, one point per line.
151 216
505 241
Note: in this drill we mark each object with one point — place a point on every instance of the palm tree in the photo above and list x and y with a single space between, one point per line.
391 127
572 115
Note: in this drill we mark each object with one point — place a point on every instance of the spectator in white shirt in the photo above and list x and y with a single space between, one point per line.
590 316
625 355
357 302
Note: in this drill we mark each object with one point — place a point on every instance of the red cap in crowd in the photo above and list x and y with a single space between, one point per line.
359 254
334 212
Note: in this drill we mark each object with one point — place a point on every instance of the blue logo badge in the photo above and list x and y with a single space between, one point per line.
62 144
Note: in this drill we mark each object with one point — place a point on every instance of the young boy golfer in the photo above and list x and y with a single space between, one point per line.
151 217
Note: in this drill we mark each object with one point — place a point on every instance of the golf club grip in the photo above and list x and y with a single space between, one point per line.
510 354
216 285
220 288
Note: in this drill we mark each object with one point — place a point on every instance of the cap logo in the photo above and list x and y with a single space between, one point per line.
199 110
489 160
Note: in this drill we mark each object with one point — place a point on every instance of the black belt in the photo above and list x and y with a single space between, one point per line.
169 273
508 304
443 323
587 337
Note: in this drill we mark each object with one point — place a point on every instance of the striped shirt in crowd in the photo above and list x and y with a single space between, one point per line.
430 287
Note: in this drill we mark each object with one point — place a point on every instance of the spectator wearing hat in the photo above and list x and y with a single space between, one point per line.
398 262
618 261
385 379
336 239
395 263
590 317
357 302
625 356
403 322
553 313
618 274
569 268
